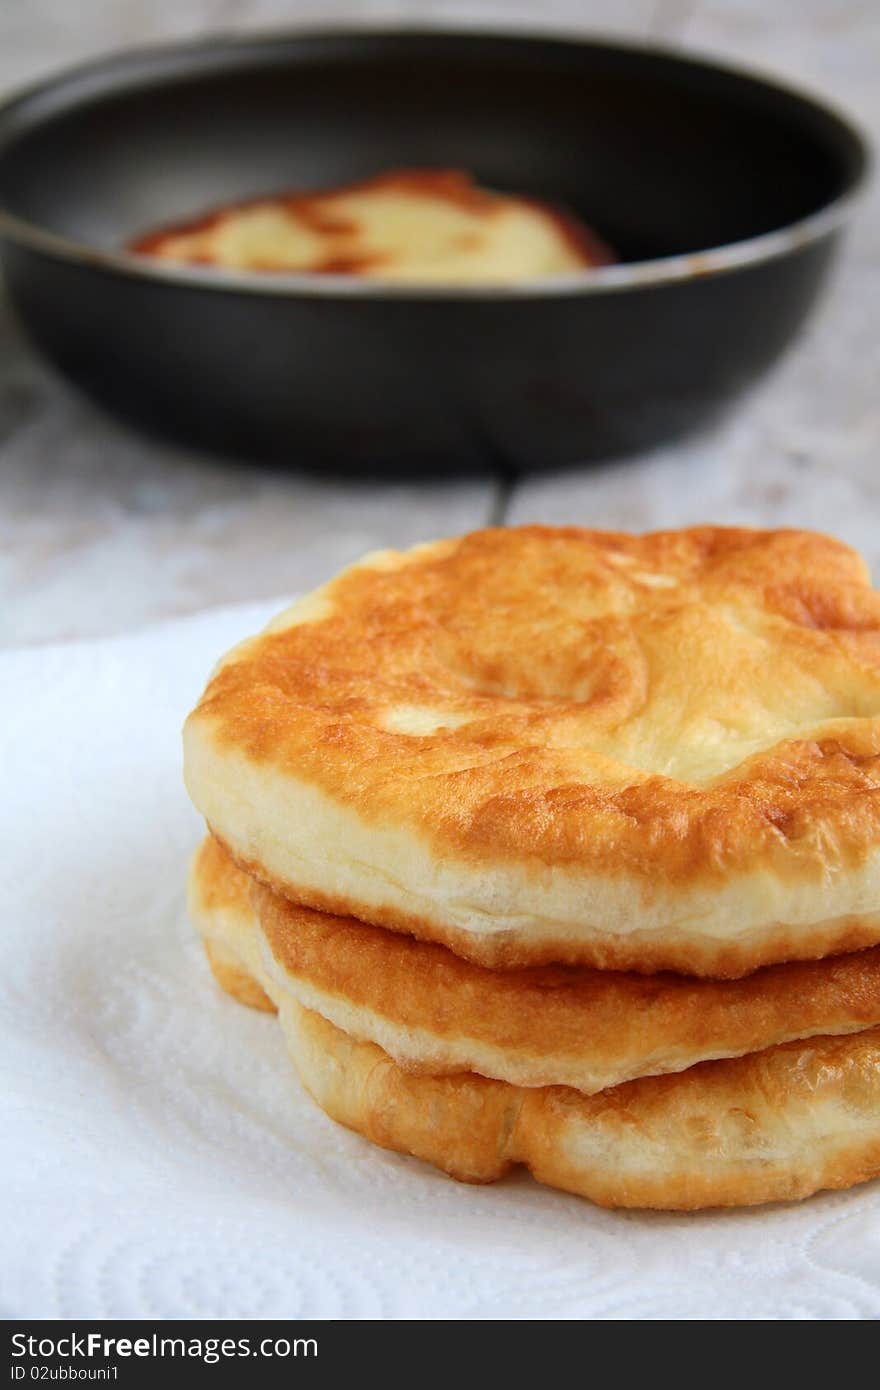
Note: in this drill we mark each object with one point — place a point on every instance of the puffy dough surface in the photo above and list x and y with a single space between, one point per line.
418 226
551 744
436 1014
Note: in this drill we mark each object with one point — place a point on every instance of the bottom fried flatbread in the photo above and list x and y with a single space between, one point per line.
775 1125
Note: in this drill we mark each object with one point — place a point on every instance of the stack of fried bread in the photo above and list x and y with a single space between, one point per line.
561 848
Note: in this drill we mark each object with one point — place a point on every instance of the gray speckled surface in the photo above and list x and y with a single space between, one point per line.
101 531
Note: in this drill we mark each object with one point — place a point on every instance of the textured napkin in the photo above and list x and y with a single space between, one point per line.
158 1156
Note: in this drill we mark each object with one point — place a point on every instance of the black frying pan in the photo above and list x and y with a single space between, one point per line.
723 195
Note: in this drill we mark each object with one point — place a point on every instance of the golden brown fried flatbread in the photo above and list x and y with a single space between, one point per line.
550 744
436 1014
771 1127
775 1125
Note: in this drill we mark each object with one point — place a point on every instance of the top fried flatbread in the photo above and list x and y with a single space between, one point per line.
544 744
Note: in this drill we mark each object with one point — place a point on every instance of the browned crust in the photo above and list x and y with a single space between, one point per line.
302 699
218 880
622 1021
543 1023
216 888
453 1122
460 628
232 977
775 1125
315 208
723 1134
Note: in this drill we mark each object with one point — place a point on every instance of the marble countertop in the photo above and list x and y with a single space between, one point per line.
101 531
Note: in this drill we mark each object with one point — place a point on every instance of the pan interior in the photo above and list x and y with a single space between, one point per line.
660 154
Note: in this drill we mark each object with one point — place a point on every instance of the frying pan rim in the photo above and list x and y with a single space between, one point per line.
750 251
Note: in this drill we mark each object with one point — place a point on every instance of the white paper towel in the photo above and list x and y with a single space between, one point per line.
158 1157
